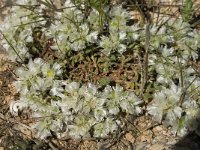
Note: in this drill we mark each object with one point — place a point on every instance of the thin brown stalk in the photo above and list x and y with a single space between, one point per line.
145 63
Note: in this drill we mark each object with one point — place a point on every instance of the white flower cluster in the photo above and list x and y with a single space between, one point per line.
16 29
173 47
118 32
171 57
166 108
80 108
74 32
36 76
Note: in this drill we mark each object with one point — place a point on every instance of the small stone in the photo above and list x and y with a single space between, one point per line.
129 137
157 129
143 125
149 124
140 146
164 132
157 147
146 136
159 139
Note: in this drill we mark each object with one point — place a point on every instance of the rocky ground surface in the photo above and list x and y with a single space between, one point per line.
143 133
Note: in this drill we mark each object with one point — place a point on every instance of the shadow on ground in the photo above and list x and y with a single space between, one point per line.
189 142
192 140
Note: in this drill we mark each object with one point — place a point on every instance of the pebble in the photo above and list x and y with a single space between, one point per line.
140 146
157 129
146 138
157 147
159 139
129 137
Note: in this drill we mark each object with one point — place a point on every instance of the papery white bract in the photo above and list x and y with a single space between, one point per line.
17 106
106 44
165 102
81 127
130 103
72 87
100 113
92 37
51 72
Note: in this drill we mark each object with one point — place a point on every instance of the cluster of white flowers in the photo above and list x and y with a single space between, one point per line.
84 109
59 102
17 28
173 47
73 32
118 32
167 107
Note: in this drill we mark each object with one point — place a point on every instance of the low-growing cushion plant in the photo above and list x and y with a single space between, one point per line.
81 67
